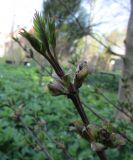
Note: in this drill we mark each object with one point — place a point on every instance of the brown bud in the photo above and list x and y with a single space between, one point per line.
17 113
56 88
81 66
117 140
38 148
93 130
76 126
60 145
66 80
97 146
15 117
80 75
41 123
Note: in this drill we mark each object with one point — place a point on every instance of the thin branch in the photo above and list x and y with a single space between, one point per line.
105 120
58 144
96 114
33 135
115 106
125 136
72 93
102 155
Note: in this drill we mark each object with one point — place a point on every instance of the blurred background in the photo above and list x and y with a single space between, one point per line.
102 25
30 118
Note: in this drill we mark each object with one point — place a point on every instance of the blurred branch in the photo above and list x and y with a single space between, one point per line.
110 102
105 120
94 112
60 146
33 135
115 106
112 43
17 118
122 4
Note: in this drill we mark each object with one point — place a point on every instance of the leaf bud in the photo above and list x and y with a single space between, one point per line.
56 88
94 130
117 140
97 146
67 78
80 75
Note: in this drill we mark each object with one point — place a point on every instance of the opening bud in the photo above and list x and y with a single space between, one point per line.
117 140
81 74
97 146
56 88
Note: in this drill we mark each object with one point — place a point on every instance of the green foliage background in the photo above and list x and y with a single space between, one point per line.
20 85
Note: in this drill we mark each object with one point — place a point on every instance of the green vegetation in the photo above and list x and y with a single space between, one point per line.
49 118
87 117
107 81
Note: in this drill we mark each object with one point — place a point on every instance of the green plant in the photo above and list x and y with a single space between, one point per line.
106 81
44 42
20 84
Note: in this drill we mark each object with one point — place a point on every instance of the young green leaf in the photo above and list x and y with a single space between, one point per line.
39 27
32 39
51 32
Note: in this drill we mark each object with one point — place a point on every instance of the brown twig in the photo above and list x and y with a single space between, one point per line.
65 81
105 120
42 146
18 118
115 106
94 112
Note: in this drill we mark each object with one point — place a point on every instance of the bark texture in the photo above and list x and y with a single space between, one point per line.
126 84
